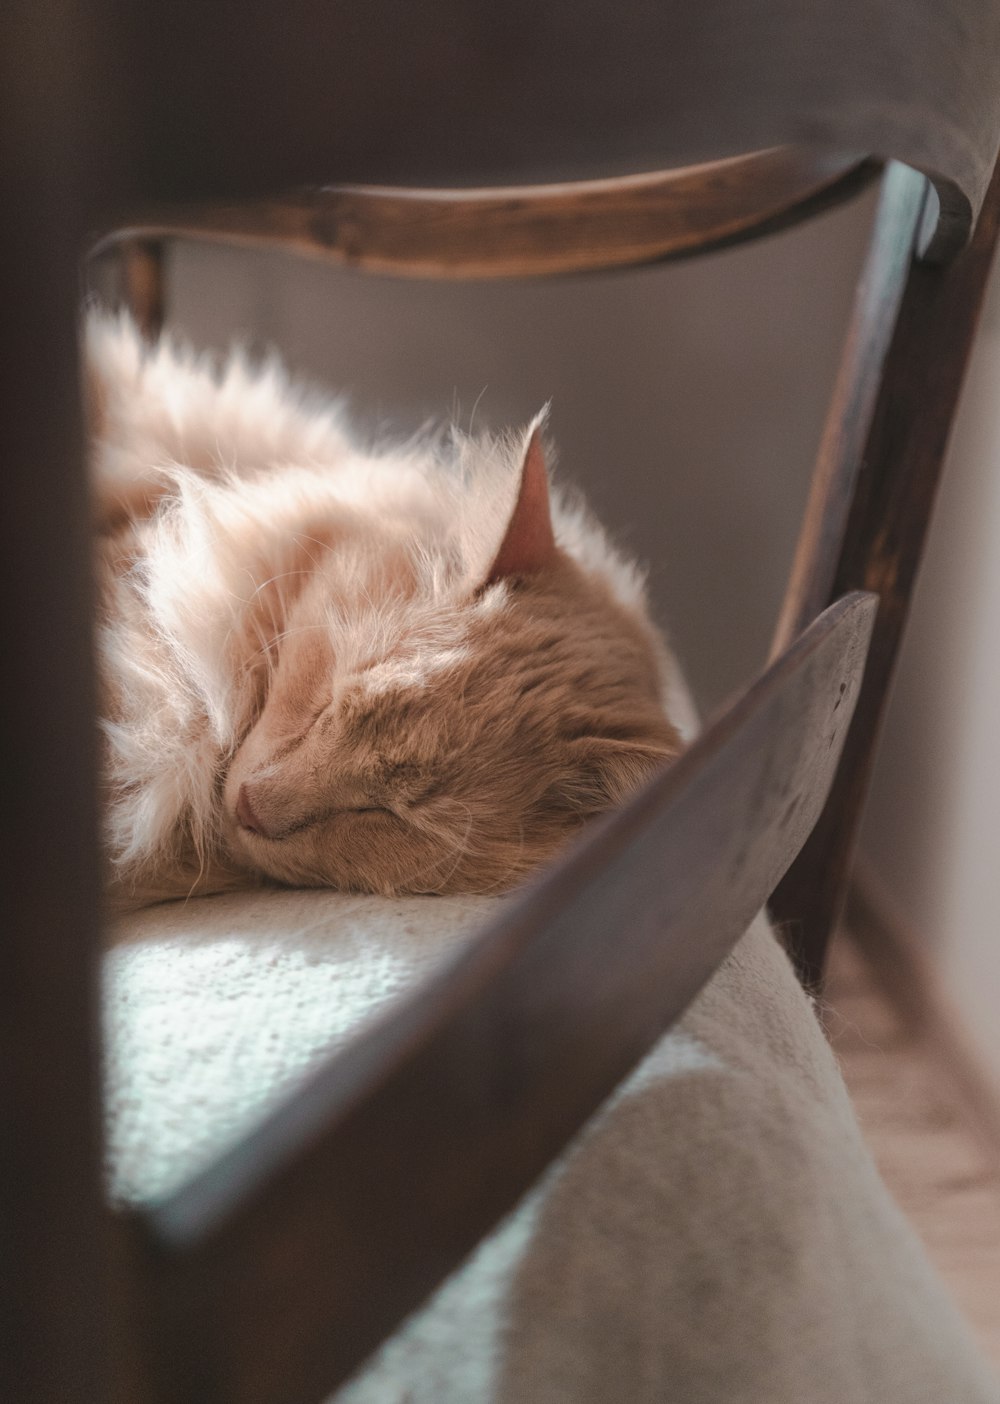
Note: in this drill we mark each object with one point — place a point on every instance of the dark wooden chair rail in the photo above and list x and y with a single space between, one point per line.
111 107
528 231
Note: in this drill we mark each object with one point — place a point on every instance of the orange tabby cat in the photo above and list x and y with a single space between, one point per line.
406 669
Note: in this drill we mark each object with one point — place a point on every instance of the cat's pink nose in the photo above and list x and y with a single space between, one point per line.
246 815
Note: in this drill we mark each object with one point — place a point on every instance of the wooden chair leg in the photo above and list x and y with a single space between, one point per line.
870 507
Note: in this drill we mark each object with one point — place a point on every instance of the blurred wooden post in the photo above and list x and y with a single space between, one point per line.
59 137
143 286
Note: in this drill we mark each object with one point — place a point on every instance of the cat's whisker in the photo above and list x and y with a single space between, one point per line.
300 537
273 579
266 649
472 416
462 846
517 866
288 633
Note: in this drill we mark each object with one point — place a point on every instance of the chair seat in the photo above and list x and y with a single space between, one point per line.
216 1007
717 1232
637 1269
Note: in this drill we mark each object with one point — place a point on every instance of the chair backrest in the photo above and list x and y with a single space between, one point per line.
446 92
117 107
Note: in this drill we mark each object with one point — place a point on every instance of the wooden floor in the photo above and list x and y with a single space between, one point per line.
944 1176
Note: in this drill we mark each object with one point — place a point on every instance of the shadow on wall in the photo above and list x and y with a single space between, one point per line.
687 399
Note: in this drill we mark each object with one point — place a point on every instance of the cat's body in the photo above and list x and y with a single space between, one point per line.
392 671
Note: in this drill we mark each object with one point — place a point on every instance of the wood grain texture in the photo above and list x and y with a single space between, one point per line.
274 1273
871 503
233 101
908 1094
519 232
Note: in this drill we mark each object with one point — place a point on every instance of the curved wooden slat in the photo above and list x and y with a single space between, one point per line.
273 1274
232 102
521 231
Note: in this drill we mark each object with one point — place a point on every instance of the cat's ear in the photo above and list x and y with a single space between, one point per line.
528 544
603 771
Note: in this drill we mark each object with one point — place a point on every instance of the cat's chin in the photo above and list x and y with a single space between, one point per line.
298 859
258 854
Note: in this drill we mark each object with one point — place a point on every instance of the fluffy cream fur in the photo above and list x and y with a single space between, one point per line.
372 669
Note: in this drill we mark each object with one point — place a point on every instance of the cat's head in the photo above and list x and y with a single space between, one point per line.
423 732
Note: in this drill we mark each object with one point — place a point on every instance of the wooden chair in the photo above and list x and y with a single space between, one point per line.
181 110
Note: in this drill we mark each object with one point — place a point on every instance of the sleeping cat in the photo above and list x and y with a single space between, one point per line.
407 669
